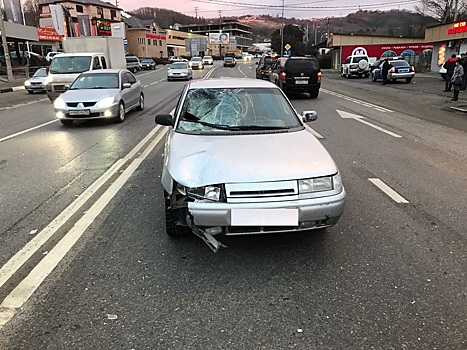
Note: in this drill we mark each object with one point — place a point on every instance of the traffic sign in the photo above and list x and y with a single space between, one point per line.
287 53
287 47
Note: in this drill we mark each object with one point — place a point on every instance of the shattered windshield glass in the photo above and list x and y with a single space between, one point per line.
236 109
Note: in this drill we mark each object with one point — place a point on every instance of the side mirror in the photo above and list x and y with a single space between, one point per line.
309 116
66 87
126 85
164 119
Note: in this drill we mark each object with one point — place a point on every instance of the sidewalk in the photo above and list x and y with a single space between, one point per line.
17 84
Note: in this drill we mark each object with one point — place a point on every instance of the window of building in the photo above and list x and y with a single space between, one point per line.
149 41
155 42
160 42
113 14
100 12
141 41
79 9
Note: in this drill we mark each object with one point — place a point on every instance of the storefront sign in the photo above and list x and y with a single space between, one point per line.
387 50
219 38
458 27
104 28
48 34
154 36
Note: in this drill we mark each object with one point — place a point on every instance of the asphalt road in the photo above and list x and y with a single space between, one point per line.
390 275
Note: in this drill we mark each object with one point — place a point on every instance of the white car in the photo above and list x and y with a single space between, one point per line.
356 65
208 60
196 63
51 55
179 71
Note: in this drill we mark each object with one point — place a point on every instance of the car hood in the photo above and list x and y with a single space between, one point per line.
171 70
199 160
37 79
88 95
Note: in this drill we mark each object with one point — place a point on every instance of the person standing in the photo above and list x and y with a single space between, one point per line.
385 70
464 66
449 65
457 79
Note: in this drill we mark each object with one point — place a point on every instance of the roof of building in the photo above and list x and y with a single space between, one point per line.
138 23
83 2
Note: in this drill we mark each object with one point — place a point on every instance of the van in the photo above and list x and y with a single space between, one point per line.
133 64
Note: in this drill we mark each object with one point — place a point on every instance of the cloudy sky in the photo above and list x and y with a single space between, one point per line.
292 8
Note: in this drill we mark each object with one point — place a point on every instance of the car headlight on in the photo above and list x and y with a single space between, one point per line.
27 83
106 102
48 80
59 103
212 193
320 184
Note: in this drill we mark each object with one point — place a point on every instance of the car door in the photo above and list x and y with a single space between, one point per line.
379 71
135 89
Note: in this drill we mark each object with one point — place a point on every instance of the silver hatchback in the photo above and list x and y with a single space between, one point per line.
239 160
100 94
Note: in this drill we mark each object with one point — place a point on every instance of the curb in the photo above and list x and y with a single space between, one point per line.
15 88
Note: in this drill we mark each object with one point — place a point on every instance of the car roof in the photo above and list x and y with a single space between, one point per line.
102 71
231 83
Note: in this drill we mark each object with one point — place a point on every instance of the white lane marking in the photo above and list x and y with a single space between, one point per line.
314 132
39 273
388 190
144 74
18 260
208 74
359 118
23 104
27 130
241 70
363 103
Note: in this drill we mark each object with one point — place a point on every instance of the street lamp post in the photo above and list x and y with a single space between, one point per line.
282 30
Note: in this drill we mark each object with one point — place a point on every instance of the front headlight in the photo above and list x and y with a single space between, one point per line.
321 184
212 193
105 102
49 79
27 83
59 103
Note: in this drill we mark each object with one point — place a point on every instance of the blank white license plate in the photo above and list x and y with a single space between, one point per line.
301 82
81 112
264 217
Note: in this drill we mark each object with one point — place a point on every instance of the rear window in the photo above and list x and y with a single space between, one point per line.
399 63
131 59
301 64
357 59
268 61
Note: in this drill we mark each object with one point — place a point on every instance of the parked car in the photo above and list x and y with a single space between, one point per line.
264 65
196 63
100 94
50 55
400 69
133 64
376 64
147 63
358 65
297 74
268 186
208 60
229 62
173 59
37 82
179 71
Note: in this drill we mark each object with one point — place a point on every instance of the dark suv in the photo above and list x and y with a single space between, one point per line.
299 74
264 66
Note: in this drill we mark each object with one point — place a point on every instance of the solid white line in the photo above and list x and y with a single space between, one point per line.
18 260
314 132
29 285
144 74
377 127
388 190
27 130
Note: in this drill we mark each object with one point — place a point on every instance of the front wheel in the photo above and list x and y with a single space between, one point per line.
171 227
408 80
121 113
141 103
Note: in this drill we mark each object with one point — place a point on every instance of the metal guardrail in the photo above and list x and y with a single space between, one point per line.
21 72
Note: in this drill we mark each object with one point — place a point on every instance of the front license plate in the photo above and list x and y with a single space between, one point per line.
264 217
301 82
81 112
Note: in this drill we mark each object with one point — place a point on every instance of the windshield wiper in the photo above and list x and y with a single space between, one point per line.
215 126
261 127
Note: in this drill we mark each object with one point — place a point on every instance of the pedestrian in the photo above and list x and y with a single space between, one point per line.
385 70
449 65
464 65
457 79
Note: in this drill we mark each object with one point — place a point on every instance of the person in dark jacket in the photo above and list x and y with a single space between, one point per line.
385 70
464 65
456 79
449 65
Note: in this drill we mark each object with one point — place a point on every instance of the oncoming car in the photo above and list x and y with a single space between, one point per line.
237 162
179 71
196 63
400 69
208 60
100 94
37 82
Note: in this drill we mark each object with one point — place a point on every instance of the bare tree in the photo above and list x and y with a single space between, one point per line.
32 12
443 10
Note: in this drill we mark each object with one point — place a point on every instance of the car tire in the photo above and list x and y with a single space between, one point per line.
314 93
135 70
408 80
373 78
367 75
31 92
347 75
120 118
171 227
66 122
141 102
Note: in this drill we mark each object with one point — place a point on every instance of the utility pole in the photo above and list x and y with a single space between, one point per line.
220 31
9 71
282 30
196 12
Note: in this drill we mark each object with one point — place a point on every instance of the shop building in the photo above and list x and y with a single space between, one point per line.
145 38
177 43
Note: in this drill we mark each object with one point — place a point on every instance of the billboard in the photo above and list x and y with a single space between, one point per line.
56 11
219 38
84 25
118 30
13 12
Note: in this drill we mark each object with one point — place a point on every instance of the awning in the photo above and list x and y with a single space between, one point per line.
18 31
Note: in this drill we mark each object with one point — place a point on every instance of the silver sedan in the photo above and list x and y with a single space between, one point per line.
239 160
179 71
37 82
100 94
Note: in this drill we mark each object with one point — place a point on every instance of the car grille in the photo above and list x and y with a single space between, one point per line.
59 87
85 104
261 191
36 83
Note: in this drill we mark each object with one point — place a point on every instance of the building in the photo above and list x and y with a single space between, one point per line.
80 18
416 51
177 43
448 38
239 34
145 38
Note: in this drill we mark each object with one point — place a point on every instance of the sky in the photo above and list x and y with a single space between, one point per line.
305 9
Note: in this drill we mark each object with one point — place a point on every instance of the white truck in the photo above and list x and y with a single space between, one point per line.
80 55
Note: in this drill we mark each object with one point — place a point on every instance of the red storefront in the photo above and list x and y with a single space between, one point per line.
388 50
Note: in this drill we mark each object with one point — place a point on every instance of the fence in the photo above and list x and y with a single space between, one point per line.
21 73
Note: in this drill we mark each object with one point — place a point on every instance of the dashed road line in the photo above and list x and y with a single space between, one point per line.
360 102
388 190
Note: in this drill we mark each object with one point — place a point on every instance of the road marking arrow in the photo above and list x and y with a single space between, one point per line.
359 118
